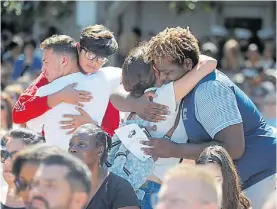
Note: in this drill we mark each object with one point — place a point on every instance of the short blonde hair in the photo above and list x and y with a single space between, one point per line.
195 172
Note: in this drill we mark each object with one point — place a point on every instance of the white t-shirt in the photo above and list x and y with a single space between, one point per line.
100 85
165 95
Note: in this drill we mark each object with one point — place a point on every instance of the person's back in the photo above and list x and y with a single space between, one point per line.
137 76
61 70
50 121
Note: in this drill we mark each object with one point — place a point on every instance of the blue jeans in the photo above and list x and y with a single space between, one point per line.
149 188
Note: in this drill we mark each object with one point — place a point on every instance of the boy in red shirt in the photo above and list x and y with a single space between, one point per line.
96 45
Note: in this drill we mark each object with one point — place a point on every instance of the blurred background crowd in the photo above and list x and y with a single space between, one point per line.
240 35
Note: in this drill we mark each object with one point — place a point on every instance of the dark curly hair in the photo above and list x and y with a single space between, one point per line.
103 139
175 43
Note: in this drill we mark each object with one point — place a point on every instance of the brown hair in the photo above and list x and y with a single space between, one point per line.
137 74
61 44
33 154
99 40
176 43
231 190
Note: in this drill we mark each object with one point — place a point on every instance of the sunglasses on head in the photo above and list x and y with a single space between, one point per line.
5 155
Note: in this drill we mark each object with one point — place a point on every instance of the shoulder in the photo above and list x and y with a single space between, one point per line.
110 69
120 185
210 88
118 182
123 194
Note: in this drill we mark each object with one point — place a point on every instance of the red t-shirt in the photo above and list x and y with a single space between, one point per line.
29 106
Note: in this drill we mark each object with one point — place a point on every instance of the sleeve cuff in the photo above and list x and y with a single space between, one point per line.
225 125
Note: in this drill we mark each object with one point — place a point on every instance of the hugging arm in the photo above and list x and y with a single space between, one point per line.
147 110
185 84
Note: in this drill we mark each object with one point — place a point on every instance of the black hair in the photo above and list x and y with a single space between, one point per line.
99 40
103 138
29 137
78 176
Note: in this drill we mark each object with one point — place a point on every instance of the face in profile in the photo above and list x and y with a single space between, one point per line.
172 197
85 148
51 65
7 157
25 179
51 191
168 71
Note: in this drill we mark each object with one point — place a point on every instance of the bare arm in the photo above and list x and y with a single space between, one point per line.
122 100
231 138
185 84
146 109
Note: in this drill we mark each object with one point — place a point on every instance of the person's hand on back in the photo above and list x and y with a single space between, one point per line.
69 95
150 111
76 121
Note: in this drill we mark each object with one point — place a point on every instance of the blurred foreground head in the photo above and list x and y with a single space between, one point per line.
187 187
61 181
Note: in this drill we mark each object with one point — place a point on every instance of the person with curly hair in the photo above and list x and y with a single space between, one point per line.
219 163
108 191
216 112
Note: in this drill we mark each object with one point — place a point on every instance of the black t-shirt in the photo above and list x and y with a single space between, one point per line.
114 193
7 207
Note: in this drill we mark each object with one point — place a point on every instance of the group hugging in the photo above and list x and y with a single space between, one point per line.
208 146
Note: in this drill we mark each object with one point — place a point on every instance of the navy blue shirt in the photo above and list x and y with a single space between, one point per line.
216 103
20 67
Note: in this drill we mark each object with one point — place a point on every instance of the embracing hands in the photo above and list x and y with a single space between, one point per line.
72 96
69 95
75 121
150 111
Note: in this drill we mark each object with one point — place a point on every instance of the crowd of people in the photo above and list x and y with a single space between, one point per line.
198 116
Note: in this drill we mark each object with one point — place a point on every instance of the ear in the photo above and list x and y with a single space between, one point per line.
187 64
79 200
78 46
101 151
64 61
